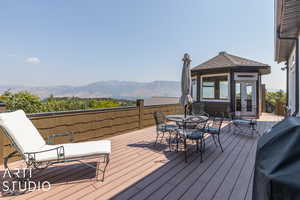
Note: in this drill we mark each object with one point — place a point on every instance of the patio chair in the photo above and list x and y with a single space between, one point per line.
162 127
244 125
37 154
196 133
215 129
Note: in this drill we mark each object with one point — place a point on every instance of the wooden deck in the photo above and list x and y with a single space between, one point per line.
139 170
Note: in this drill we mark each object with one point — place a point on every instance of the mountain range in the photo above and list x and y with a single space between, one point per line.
109 89
112 89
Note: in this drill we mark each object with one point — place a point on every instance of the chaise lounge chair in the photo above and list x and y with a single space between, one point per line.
37 154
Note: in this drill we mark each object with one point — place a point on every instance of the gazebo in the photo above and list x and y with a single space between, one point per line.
228 84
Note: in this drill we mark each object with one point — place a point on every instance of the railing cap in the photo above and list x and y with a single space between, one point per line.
78 111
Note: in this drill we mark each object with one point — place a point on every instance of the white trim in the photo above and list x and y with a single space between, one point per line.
292 80
211 75
254 105
292 59
237 78
215 100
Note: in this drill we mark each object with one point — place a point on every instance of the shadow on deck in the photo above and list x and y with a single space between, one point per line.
140 170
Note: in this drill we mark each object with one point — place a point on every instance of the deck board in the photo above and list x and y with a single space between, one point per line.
227 157
230 176
139 170
166 186
240 189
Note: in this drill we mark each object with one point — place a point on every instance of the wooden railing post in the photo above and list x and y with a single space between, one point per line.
1 147
263 98
140 108
2 107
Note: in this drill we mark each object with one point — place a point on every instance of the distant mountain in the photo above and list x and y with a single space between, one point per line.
113 89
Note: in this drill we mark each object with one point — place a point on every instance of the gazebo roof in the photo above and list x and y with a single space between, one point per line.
227 61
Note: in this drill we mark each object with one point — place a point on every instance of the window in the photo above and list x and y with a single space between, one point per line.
223 89
208 89
249 89
194 89
215 87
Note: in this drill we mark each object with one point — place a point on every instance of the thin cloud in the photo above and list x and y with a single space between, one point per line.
33 60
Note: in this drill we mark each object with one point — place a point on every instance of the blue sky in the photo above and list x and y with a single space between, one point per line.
77 42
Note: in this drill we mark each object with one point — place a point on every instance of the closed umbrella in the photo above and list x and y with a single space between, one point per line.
186 83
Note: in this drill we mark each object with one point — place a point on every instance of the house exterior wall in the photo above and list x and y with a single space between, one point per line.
299 61
292 90
292 80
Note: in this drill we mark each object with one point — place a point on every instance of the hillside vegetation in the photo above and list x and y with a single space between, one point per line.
31 103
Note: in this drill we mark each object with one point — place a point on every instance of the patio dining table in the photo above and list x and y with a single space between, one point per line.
186 120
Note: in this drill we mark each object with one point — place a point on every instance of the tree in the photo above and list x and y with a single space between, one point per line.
4 97
24 100
33 104
275 101
276 97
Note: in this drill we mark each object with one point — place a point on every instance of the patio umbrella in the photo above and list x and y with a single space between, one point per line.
186 83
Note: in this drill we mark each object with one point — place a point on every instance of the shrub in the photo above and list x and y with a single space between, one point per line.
23 100
33 104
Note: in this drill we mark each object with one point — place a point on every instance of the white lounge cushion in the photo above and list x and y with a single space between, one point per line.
28 139
22 131
76 150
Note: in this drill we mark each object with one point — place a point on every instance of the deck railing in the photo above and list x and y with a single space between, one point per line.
280 108
2 107
88 125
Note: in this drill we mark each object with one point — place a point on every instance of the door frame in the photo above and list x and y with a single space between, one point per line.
244 79
244 98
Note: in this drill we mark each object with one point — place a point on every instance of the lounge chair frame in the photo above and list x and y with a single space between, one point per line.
31 162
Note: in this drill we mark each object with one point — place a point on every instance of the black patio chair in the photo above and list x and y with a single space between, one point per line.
214 129
162 127
195 134
244 125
